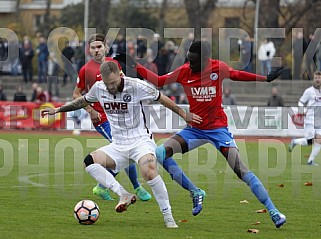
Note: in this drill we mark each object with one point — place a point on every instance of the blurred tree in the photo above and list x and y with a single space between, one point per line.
133 13
162 11
199 13
98 15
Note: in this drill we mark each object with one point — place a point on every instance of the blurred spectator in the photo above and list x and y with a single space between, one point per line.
161 61
148 63
120 43
40 95
14 59
34 92
129 71
141 46
309 59
187 43
67 59
228 98
42 53
266 53
26 55
156 45
246 47
2 94
80 55
299 48
53 74
275 99
19 95
173 59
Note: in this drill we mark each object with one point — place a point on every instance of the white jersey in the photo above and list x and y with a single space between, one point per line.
311 98
125 109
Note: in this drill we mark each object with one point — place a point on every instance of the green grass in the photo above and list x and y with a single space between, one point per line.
41 179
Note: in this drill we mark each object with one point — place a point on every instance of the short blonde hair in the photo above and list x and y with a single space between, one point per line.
108 67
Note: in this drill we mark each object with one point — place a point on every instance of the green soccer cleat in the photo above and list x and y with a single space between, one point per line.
102 192
142 194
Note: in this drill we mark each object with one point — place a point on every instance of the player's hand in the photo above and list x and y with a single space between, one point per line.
272 75
190 117
95 116
126 59
48 111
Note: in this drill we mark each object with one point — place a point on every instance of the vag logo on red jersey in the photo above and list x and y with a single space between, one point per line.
116 107
203 90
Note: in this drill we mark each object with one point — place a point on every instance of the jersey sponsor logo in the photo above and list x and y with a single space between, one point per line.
318 98
214 76
127 97
203 93
116 107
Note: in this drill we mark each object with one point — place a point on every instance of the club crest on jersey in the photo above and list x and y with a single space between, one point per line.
214 76
127 97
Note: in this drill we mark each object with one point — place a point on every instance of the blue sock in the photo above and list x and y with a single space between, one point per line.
174 170
114 174
258 190
132 174
178 175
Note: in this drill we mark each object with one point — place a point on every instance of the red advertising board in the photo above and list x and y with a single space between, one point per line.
26 115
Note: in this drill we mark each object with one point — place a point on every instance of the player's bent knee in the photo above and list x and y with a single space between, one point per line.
88 160
149 172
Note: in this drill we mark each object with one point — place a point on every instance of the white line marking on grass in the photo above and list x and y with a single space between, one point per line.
27 180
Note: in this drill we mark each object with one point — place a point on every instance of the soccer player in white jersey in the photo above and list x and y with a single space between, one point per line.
122 100
311 98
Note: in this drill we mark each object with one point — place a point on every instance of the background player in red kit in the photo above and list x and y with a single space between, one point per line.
87 76
202 79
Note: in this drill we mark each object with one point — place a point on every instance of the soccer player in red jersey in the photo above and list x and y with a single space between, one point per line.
87 76
202 78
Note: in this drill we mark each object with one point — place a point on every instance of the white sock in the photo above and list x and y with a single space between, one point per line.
315 150
301 141
160 193
105 178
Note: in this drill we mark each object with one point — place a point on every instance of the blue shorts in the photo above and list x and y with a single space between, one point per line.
220 137
104 130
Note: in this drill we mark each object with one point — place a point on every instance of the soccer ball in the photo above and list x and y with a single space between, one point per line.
86 212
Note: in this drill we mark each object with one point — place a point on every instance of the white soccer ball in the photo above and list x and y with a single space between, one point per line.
86 212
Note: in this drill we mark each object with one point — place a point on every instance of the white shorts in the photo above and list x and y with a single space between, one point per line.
310 132
124 155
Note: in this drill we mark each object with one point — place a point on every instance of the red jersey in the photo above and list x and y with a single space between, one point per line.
203 89
87 76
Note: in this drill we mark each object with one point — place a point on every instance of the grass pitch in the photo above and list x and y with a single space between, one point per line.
42 178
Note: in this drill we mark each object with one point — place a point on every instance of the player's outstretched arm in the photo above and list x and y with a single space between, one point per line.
71 106
94 115
187 116
246 76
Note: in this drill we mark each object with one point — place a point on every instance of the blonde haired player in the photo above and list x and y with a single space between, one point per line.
122 100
